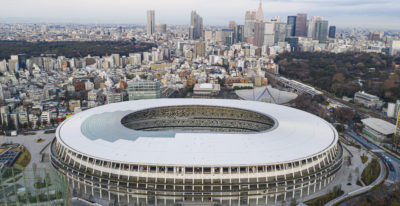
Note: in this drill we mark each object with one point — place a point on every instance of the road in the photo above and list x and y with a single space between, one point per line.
388 159
392 173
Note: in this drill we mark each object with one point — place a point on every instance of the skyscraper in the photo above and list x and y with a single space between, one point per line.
249 22
280 32
291 23
269 33
259 34
311 26
332 32
239 33
196 26
301 25
321 30
260 13
151 27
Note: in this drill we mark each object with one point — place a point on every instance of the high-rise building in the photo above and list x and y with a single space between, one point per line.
199 49
232 24
161 28
332 32
259 34
291 26
269 33
321 30
22 61
311 26
280 32
116 59
151 27
196 26
301 25
239 33
249 22
260 13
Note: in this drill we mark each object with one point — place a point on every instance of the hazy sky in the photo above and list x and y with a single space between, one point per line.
343 13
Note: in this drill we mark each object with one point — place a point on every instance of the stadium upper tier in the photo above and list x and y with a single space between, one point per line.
196 132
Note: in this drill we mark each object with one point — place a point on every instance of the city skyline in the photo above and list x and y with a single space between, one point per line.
354 13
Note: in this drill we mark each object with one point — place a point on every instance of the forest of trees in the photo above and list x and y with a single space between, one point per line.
71 48
342 73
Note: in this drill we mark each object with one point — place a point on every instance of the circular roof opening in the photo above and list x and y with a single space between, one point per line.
198 118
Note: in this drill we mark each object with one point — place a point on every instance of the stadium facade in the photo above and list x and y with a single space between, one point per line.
167 151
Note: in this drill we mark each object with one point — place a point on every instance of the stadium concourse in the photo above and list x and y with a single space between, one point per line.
167 151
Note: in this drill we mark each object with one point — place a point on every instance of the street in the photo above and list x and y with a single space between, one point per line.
392 173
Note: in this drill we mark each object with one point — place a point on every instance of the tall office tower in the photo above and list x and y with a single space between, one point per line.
161 28
260 13
232 24
249 22
199 49
239 33
151 27
291 26
116 59
321 30
311 26
301 25
22 61
332 32
196 26
269 33
259 34
280 32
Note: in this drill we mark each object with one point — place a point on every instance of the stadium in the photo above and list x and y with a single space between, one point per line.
174 151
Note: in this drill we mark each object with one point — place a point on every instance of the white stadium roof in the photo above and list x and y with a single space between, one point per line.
98 133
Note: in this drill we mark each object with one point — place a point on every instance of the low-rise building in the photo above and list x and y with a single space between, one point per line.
368 100
377 129
206 90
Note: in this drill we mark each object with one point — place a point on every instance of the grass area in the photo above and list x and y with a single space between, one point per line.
24 158
50 131
322 200
364 159
2 150
371 172
39 140
28 133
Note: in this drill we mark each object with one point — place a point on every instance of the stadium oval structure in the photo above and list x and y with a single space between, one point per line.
168 151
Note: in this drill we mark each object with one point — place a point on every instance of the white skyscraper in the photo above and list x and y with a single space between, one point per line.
151 26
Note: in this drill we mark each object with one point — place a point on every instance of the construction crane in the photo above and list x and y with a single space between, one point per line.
396 136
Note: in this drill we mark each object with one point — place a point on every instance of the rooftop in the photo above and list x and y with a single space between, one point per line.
379 125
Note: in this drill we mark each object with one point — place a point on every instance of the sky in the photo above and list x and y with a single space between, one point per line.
374 14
